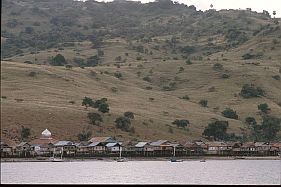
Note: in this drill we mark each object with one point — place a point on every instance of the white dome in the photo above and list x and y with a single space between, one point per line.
47 133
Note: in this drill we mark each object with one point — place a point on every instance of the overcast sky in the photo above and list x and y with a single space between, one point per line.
255 5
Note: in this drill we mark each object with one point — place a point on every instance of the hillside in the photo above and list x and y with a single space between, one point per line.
149 44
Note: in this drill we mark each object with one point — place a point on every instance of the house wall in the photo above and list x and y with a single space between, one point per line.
114 149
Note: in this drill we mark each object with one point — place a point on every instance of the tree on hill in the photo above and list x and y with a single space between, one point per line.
129 115
181 123
251 121
25 133
118 75
123 123
270 127
104 108
94 117
96 41
84 135
188 49
98 102
87 102
229 113
263 108
93 61
249 91
217 130
58 60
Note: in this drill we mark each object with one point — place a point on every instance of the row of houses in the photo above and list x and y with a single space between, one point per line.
46 145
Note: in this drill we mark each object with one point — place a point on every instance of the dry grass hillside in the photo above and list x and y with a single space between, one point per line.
43 101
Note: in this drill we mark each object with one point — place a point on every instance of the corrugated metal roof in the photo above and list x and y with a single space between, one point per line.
63 143
174 144
22 144
261 144
112 144
102 139
141 144
216 143
43 141
158 143
93 144
248 144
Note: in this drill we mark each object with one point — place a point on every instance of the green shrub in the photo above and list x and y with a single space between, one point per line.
203 102
28 62
58 60
93 61
25 133
84 135
263 107
151 99
229 113
147 78
249 91
248 56
225 76
188 50
114 89
276 77
32 74
181 123
87 102
188 62
217 66
148 88
217 130
181 69
78 61
186 97
129 115
72 102
104 108
251 121
123 123
94 117
68 66
118 75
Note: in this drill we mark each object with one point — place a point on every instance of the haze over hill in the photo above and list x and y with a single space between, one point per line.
157 60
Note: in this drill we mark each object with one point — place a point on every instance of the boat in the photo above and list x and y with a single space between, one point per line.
53 159
173 159
120 159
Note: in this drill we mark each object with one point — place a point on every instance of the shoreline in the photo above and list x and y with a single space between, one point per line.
112 159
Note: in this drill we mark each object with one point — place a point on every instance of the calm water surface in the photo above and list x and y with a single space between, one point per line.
143 172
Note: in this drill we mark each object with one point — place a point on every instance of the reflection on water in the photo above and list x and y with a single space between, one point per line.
143 172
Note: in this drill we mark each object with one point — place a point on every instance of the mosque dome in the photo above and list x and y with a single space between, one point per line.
46 134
